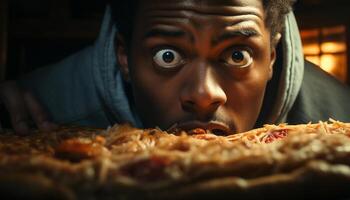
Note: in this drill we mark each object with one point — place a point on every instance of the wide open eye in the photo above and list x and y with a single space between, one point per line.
239 58
167 58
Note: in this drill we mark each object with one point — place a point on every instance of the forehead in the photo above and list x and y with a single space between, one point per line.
201 14
155 3
213 7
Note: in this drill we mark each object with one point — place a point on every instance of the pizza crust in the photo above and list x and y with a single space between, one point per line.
35 187
128 163
315 180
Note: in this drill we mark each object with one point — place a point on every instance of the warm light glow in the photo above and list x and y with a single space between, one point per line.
311 49
309 33
326 47
314 59
333 47
328 63
335 30
335 64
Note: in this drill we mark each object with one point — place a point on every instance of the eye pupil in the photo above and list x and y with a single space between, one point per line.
168 57
237 56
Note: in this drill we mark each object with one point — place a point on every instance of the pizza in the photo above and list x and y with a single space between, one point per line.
283 161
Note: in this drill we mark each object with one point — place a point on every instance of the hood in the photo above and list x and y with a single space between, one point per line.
111 87
108 78
292 72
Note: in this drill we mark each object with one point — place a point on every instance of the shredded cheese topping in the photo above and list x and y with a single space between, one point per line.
123 155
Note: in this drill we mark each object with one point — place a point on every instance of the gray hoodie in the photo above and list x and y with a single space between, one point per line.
87 87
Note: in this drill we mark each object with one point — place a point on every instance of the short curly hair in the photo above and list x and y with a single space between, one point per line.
123 13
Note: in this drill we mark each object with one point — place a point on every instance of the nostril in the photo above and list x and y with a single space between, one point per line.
216 104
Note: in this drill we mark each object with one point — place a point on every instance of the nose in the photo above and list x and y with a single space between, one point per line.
202 93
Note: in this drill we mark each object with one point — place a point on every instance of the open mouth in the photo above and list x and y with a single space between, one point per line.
198 127
219 132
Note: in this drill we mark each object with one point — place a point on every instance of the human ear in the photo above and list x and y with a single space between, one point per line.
273 54
122 56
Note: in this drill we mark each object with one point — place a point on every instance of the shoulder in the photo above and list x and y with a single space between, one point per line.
321 97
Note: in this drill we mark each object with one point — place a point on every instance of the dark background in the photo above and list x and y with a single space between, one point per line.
35 33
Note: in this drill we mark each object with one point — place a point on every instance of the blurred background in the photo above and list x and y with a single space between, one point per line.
36 33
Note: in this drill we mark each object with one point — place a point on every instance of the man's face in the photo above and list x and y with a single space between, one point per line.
200 63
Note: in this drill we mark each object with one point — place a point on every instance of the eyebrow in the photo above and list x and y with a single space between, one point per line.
177 33
235 33
161 32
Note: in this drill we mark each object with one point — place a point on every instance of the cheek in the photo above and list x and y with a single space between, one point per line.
155 96
245 98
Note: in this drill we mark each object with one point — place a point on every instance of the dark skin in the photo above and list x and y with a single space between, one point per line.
199 63
190 63
22 107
